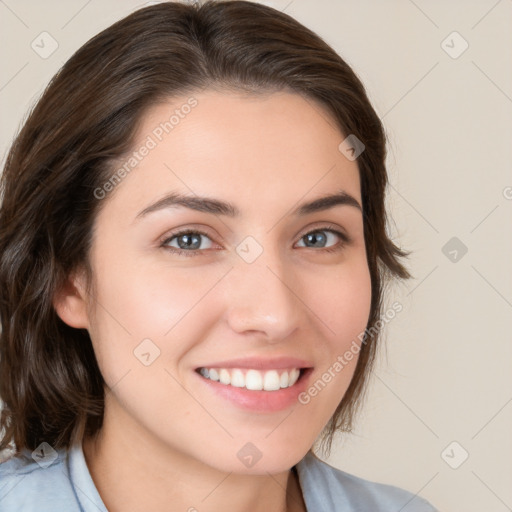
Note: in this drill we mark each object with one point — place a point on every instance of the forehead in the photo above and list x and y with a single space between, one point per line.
249 149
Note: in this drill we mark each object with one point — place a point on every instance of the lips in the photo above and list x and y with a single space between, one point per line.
257 384
259 363
256 400
256 373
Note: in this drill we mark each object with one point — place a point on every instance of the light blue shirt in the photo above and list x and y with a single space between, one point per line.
66 486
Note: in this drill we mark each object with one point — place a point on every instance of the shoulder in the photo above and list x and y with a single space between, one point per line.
36 483
327 488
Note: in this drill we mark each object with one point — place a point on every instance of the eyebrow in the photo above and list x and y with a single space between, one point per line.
218 207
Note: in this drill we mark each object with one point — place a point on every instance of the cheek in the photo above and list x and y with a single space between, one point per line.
136 302
341 298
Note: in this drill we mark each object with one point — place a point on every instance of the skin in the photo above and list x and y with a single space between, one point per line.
265 154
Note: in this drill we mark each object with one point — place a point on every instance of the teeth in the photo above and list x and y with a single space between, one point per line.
237 379
224 376
255 380
271 381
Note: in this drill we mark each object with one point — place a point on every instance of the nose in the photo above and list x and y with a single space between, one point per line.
262 299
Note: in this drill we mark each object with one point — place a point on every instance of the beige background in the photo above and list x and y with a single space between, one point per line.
448 375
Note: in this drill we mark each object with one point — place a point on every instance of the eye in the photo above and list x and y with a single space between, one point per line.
319 238
188 242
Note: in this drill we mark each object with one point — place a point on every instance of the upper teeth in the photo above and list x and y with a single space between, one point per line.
270 380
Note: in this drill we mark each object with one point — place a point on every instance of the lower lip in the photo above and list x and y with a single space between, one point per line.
260 401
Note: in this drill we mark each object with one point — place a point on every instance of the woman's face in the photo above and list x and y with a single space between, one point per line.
249 291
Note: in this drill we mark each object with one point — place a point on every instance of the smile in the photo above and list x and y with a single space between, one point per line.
252 379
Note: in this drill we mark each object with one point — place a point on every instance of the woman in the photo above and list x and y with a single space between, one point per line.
192 245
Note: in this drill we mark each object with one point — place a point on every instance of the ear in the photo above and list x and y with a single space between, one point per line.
70 301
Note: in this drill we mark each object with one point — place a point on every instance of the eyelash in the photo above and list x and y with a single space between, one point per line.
345 240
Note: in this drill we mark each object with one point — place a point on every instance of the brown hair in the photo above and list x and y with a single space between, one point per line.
86 119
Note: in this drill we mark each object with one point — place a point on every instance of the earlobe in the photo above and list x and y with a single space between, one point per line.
70 303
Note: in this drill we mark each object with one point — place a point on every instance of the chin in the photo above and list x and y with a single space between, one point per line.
258 458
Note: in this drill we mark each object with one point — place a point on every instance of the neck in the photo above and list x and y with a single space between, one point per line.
134 473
